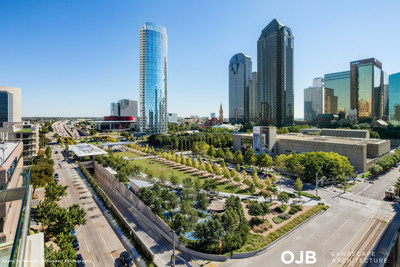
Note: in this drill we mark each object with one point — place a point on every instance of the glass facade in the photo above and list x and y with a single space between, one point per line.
339 83
240 69
314 99
275 75
153 79
366 89
394 99
4 101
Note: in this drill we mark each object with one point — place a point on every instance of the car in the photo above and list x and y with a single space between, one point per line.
75 244
126 259
72 231
56 177
56 152
79 262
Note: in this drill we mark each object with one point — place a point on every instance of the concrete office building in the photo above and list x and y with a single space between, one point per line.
337 132
394 99
240 71
314 99
173 118
275 74
253 97
10 104
337 85
361 152
366 89
153 61
125 107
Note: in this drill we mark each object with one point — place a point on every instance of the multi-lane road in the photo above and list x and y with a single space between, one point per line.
99 245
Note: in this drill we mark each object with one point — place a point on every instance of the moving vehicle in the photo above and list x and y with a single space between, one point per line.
126 259
390 193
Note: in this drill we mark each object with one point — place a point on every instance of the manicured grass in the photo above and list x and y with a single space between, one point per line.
347 186
128 154
229 188
157 169
255 242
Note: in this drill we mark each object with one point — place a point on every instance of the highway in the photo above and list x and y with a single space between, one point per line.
99 245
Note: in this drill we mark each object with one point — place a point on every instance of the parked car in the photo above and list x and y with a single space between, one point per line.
56 152
79 262
72 231
56 177
75 244
126 259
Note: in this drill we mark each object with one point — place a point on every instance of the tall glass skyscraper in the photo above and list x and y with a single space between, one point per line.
153 48
339 83
240 67
314 99
366 89
394 99
275 74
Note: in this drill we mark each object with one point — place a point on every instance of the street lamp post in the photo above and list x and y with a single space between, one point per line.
316 181
173 250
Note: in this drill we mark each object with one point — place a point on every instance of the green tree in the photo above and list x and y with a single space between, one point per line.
180 224
283 197
196 148
211 151
375 169
202 201
209 168
48 152
299 185
238 157
252 188
54 191
249 157
210 185
220 153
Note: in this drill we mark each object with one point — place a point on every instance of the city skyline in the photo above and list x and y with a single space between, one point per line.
41 56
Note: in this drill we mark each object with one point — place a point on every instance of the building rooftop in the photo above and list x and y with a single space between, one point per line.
328 139
83 150
5 151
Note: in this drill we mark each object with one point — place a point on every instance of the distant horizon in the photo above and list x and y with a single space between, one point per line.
70 61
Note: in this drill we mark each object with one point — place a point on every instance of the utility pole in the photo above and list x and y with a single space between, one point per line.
344 183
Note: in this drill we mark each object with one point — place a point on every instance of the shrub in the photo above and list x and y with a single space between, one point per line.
281 208
256 221
295 208
277 220
284 216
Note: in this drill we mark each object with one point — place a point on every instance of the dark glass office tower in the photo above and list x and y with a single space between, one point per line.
366 89
275 75
337 85
239 81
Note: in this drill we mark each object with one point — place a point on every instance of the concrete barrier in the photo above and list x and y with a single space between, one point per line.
165 232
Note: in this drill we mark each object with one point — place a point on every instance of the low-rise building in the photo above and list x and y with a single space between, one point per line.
361 152
26 133
337 132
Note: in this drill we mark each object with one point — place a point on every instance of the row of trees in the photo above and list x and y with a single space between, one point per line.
385 163
186 141
122 166
57 222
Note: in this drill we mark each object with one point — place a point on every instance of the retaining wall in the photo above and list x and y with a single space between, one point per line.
100 172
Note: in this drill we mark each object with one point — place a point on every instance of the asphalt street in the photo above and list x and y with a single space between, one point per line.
99 245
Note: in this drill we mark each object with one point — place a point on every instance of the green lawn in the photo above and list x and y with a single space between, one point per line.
157 169
129 154
229 188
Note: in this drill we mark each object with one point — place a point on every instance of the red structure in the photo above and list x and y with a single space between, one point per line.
118 118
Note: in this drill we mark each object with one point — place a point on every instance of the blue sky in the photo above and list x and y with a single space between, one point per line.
74 57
